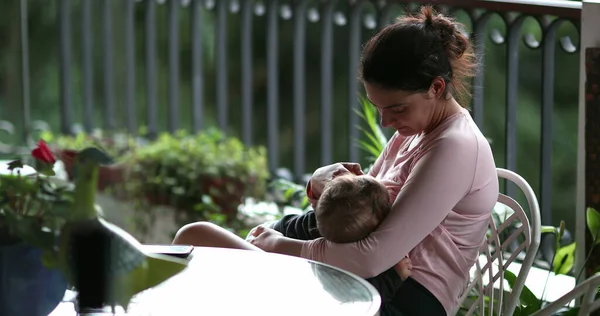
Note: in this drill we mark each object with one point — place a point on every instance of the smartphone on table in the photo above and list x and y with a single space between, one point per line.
179 251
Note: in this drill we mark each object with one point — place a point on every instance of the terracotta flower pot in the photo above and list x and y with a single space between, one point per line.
227 200
226 193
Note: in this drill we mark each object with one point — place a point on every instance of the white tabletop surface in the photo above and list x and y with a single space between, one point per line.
237 282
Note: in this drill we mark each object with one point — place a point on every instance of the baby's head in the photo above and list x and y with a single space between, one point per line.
351 207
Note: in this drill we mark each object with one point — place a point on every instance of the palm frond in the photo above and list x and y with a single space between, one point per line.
375 138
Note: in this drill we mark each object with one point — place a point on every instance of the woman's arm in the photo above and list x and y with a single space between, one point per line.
437 182
304 227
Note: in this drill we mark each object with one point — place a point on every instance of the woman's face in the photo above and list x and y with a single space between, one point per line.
409 113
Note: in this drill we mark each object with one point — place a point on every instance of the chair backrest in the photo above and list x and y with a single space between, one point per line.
589 304
486 291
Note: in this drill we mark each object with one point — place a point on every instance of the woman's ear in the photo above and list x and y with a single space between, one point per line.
437 88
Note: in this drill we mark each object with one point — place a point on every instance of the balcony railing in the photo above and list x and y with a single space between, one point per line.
282 73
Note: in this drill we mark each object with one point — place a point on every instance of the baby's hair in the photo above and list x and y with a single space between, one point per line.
351 207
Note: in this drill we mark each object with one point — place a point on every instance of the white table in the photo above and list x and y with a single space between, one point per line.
237 282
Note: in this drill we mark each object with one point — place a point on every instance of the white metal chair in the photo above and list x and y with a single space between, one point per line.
489 272
587 289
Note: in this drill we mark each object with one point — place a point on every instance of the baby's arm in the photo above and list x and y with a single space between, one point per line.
302 227
323 175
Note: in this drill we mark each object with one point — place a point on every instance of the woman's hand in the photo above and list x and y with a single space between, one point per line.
324 174
265 238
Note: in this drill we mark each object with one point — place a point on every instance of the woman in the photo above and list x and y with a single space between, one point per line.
438 164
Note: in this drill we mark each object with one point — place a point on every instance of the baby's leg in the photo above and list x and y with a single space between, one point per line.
210 235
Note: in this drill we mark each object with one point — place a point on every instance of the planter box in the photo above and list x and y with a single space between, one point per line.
122 214
226 193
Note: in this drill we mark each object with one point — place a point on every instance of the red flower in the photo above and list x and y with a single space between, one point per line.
43 153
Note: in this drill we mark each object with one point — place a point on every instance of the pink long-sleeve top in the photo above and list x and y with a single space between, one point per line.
445 186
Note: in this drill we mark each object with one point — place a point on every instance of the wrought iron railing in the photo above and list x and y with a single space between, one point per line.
243 74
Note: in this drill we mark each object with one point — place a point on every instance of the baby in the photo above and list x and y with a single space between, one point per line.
348 206
352 206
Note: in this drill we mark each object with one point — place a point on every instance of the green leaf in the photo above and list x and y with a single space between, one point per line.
510 277
372 142
530 309
305 202
44 168
49 259
369 148
564 259
375 138
593 223
47 136
561 230
557 233
527 297
519 311
549 229
96 155
15 164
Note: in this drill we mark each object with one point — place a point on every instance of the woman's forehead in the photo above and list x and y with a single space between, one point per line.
383 98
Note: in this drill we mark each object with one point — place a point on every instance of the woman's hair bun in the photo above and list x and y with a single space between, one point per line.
417 48
427 13
454 42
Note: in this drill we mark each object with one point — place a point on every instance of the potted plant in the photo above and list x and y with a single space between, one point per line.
203 176
115 145
33 206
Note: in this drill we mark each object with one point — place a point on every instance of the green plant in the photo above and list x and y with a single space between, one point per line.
204 175
115 144
373 143
290 193
375 140
33 203
562 263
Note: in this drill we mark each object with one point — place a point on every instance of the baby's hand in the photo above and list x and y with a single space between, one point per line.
255 231
325 174
353 168
404 268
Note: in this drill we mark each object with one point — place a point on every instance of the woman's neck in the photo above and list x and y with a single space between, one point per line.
446 109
